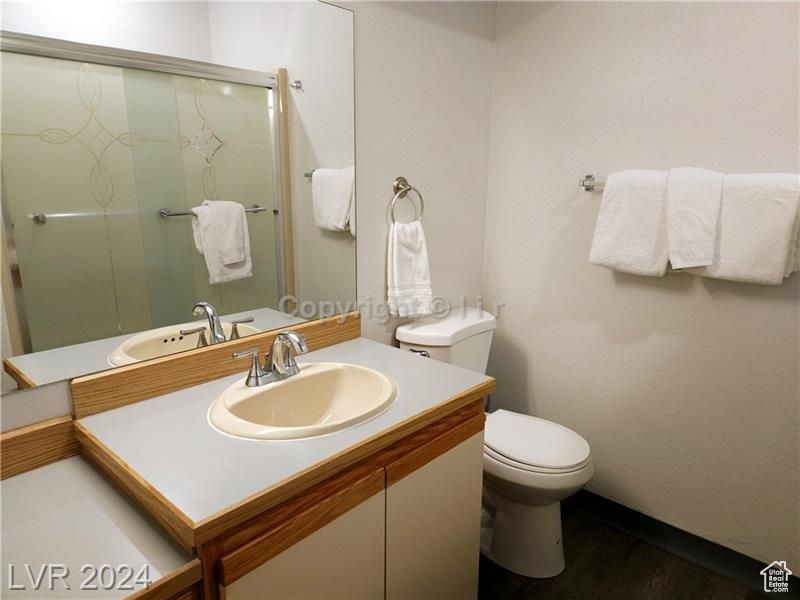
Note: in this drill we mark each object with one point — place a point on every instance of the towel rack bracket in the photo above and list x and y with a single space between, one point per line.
589 182
401 187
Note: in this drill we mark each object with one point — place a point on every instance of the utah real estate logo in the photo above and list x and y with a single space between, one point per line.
776 577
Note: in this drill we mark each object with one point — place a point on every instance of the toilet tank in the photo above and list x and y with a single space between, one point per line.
463 337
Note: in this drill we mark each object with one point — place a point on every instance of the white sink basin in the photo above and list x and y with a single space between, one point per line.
322 398
165 340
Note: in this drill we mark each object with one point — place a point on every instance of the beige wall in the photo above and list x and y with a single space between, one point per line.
314 42
686 388
171 28
423 85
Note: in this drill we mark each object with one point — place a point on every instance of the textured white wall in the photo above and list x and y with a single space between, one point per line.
314 42
686 388
423 92
171 28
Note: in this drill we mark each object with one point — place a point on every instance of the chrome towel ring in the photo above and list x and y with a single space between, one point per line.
401 187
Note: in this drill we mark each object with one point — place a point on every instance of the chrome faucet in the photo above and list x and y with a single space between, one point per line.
285 347
217 335
280 361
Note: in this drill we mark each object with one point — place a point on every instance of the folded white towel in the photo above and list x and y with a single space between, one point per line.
408 275
631 232
693 199
221 236
793 260
352 217
756 231
332 194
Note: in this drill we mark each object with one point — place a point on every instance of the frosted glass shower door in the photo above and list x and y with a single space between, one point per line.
227 155
99 150
66 152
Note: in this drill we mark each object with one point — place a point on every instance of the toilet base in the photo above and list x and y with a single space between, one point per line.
526 539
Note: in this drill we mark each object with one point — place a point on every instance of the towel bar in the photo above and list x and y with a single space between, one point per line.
165 212
590 183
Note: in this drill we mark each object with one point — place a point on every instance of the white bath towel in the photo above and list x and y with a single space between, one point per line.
693 199
351 224
756 231
409 292
631 233
221 236
332 195
793 260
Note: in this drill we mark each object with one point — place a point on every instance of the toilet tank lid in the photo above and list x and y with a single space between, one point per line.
459 324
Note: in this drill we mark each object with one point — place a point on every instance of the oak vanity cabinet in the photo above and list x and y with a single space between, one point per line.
411 529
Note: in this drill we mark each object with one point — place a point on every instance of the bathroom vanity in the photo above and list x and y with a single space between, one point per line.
389 507
289 514
120 465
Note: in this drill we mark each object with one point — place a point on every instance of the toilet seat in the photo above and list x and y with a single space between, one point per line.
530 468
534 445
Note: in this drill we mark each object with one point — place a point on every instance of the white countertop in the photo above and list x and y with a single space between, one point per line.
57 364
167 440
67 514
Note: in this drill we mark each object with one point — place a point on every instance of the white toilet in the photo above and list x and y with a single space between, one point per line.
529 464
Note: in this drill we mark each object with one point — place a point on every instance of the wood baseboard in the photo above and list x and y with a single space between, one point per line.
133 383
36 445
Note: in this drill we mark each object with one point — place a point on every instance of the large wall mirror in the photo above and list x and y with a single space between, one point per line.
161 159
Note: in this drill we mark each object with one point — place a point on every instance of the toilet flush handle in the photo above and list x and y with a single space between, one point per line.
420 352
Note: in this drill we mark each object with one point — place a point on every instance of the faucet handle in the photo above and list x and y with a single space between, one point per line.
257 375
235 327
202 342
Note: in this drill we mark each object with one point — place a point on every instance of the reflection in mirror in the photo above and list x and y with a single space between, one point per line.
135 186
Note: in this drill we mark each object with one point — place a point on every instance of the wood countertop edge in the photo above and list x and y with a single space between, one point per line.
192 534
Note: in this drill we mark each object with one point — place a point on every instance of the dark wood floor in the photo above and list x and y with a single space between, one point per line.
605 563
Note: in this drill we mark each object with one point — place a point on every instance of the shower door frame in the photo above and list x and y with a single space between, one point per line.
23 43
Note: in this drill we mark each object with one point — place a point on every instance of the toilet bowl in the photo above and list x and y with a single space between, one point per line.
529 464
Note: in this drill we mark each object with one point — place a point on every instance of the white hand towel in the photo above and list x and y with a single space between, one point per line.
221 235
332 195
631 231
408 275
230 221
756 228
693 199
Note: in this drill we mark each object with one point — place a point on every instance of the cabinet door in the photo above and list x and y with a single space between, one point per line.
433 526
342 559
